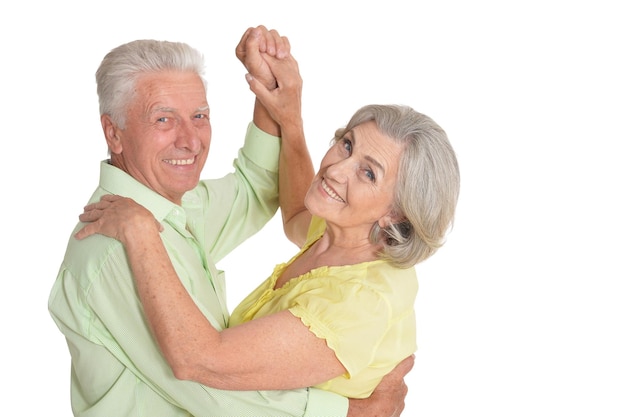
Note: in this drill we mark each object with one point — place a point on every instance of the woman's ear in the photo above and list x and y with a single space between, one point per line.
390 218
111 133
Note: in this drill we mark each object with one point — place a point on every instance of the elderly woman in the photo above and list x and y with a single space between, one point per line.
339 314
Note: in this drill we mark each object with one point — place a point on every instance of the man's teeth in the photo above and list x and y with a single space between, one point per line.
331 192
180 161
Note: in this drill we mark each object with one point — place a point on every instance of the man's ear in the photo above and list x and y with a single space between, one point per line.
111 133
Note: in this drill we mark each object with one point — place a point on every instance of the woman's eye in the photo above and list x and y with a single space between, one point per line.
370 175
347 145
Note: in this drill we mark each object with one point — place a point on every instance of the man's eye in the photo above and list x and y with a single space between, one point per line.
162 119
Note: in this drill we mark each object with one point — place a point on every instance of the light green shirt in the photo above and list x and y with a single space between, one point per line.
117 368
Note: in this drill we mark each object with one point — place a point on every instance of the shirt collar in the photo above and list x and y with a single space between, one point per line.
115 181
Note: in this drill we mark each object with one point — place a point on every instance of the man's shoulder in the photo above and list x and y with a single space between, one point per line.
85 259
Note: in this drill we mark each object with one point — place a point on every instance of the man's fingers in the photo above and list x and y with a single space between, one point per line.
283 69
240 49
283 48
405 366
409 363
258 38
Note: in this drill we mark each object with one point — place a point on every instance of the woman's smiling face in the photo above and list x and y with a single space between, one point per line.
354 187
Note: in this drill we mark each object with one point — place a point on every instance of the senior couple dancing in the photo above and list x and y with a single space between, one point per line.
331 332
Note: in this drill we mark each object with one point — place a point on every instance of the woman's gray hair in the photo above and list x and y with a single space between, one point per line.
427 187
117 75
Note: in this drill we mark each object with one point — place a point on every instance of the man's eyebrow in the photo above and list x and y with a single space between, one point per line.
172 110
162 109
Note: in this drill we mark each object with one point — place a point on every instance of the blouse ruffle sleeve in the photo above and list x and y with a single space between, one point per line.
365 312
346 313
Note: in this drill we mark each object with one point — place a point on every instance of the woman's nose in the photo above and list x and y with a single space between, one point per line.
340 170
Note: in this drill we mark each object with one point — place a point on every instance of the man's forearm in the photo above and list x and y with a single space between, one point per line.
264 121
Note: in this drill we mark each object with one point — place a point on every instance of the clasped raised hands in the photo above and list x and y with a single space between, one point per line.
273 74
255 44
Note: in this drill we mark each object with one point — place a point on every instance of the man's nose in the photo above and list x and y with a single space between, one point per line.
187 136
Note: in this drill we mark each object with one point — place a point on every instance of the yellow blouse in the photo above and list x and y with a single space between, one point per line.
365 312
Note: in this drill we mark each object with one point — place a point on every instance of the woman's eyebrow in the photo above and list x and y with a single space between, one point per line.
367 157
375 162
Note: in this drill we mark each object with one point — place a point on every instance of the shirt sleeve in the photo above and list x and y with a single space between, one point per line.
105 322
241 203
325 403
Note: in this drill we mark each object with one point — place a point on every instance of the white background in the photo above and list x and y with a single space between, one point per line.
520 314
